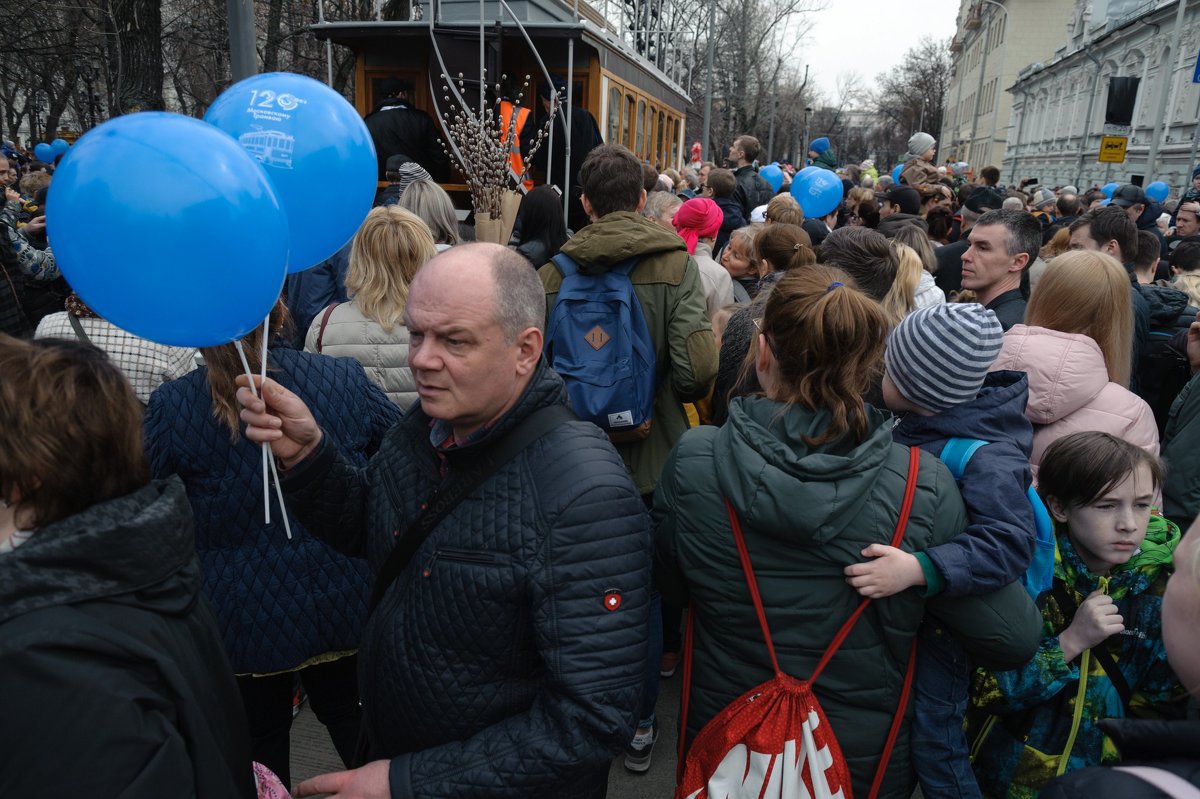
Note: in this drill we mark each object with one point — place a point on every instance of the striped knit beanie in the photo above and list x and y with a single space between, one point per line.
938 357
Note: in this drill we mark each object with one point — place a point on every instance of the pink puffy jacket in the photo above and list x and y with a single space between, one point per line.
1069 390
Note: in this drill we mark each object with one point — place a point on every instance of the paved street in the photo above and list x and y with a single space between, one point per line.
312 752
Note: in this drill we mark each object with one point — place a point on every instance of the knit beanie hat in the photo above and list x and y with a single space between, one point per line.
820 145
1196 172
918 144
938 357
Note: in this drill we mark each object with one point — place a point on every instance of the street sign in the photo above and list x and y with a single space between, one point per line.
1112 149
1196 71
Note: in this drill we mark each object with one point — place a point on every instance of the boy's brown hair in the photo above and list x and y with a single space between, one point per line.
722 182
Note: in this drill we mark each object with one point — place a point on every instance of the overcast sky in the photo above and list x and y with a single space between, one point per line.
869 37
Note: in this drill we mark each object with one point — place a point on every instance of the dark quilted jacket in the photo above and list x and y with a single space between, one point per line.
491 667
279 602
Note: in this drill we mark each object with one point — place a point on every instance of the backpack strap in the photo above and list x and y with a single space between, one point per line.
957 453
910 490
447 496
685 694
324 322
78 328
566 264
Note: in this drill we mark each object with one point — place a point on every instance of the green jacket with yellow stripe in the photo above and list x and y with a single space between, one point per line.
667 283
1028 725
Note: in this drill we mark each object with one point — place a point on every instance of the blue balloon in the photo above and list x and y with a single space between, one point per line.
44 152
794 188
773 175
59 146
1109 188
306 136
1158 191
168 229
818 192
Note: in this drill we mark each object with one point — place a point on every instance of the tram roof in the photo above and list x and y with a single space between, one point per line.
355 34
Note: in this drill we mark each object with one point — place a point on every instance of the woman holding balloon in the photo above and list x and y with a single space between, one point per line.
223 212
285 607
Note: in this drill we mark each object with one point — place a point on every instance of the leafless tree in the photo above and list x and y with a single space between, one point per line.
912 97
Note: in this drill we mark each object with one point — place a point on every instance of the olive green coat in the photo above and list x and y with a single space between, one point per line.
667 283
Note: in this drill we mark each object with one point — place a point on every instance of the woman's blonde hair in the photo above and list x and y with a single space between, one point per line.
859 194
827 338
1088 292
784 209
388 249
1189 284
918 239
432 204
901 298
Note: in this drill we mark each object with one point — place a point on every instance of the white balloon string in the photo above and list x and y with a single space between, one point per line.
266 456
271 461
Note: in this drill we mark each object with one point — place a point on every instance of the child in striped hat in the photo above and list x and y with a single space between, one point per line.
936 380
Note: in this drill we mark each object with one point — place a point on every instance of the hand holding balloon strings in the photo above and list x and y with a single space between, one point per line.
268 462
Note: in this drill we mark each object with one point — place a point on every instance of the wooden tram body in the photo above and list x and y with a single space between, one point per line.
633 102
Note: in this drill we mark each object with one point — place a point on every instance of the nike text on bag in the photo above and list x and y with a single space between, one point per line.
774 741
598 341
1040 575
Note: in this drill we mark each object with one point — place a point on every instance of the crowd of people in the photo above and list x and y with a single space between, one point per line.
949 427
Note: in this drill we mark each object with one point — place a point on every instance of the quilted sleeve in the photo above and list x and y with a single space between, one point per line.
590 602
328 495
690 339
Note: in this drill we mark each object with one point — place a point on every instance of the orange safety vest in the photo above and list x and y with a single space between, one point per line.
507 109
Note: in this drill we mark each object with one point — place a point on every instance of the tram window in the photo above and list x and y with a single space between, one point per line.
640 143
614 115
662 127
651 154
675 143
626 121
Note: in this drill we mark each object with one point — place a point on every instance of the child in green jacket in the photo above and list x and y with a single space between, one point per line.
1102 654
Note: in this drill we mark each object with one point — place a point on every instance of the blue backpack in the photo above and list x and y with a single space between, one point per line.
598 342
1040 575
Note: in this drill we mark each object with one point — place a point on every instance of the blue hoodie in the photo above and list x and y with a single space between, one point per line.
997 545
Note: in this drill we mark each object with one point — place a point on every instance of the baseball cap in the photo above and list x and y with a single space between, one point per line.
1128 196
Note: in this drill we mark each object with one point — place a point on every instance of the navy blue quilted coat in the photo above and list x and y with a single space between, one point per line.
492 667
278 602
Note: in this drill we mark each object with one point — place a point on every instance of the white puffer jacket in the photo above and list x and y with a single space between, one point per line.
383 354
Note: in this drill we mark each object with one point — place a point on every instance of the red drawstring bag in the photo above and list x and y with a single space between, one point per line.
774 740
